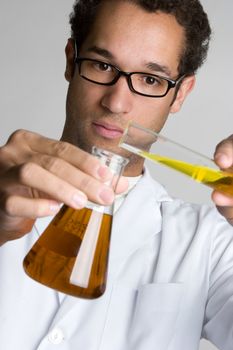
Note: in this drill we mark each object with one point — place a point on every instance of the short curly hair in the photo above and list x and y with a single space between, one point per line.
188 13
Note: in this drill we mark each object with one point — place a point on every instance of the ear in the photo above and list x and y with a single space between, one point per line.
70 57
184 89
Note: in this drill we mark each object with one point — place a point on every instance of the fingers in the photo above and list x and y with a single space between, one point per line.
35 145
63 185
224 159
227 212
38 173
36 177
122 185
224 153
76 177
64 160
224 205
222 200
21 207
80 179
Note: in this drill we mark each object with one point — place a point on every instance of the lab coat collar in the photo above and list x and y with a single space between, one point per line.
138 218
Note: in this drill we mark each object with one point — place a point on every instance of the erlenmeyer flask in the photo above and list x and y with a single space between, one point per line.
71 255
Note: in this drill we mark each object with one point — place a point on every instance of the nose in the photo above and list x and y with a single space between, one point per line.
118 98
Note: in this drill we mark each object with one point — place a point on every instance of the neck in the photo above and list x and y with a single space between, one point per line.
134 169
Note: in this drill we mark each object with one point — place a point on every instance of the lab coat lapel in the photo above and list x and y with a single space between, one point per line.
137 220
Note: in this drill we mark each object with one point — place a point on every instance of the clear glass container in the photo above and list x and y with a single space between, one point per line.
200 168
71 255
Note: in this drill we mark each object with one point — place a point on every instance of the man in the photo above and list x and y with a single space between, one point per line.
170 279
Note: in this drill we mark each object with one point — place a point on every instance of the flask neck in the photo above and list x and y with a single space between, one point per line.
114 161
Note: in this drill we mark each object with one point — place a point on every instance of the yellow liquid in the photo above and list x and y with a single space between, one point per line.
51 260
217 179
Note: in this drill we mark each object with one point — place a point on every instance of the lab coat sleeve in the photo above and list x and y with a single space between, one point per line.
218 323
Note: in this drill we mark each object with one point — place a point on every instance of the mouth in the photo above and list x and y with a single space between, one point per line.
108 131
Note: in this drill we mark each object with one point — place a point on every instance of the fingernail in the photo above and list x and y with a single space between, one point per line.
54 208
103 172
107 196
79 200
222 159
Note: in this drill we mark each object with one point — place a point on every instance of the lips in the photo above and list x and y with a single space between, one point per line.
107 130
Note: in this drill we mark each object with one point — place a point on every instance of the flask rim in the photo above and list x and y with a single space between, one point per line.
109 154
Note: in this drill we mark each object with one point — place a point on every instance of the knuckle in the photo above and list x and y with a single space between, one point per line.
17 136
63 192
52 164
9 206
225 142
88 162
229 138
36 209
3 153
26 172
61 148
221 146
86 184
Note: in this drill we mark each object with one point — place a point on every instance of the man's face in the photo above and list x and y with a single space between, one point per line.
132 39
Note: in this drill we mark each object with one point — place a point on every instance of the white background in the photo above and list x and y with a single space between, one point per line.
33 35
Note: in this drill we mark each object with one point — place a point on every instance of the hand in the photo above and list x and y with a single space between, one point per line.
224 159
37 174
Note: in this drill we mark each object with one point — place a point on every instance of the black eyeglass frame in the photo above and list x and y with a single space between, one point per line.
171 82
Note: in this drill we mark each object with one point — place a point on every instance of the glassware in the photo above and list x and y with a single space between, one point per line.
138 140
71 255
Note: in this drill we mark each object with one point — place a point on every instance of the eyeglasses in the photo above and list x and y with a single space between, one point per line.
145 84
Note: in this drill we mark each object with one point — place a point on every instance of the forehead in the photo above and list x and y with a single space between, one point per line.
133 35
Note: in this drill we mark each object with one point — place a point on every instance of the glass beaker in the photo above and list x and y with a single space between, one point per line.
71 255
138 140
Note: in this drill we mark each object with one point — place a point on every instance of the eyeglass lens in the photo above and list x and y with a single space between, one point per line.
144 83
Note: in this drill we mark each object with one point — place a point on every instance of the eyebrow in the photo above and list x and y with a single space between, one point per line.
101 52
153 66
156 67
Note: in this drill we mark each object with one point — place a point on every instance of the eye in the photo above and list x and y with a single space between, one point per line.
150 80
103 67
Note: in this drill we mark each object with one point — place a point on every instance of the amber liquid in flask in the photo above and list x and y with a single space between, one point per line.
71 255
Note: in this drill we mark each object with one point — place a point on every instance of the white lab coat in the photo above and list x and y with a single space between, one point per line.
170 282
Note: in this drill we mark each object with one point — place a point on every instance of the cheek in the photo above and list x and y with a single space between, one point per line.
80 101
85 91
154 115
